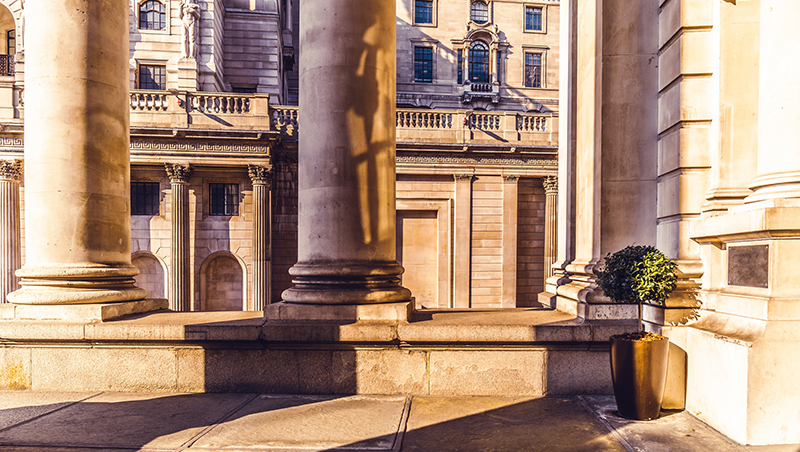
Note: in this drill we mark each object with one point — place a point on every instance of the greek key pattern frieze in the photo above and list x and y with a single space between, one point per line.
443 159
177 146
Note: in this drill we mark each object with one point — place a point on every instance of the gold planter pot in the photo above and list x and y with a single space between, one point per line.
639 373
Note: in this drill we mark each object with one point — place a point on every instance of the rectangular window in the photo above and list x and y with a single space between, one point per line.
460 70
533 70
145 197
499 65
152 77
533 18
11 42
423 11
423 64
224 199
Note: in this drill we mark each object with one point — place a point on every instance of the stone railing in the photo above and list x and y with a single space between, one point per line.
180 109
284 120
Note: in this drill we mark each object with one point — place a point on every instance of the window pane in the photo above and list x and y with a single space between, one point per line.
423 11
533 70
460 69
479 12
152 16
479 62
145 197
423 64
533 18
223 199
152 77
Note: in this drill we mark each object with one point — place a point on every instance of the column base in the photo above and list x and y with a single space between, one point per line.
97 312
346 283
292 312
76 284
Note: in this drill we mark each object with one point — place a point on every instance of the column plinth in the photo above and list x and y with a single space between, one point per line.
179 299
262 236
10 254
346 174
77 156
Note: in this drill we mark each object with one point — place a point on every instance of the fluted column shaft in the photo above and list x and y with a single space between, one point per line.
262 235
180 270
77 186
346 174
10 253
550 224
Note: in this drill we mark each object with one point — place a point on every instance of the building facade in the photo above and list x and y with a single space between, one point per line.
214 131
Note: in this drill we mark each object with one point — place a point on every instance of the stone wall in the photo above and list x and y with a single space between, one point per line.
530 241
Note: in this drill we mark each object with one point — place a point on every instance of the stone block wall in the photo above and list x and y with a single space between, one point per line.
530 241
284 225
252 52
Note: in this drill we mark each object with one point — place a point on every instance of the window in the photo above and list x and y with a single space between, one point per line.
423 11
533 18
11 42
152 16
479 62
533 70
460 69
152 77
479 12
499 64
423 64
224 199
145 197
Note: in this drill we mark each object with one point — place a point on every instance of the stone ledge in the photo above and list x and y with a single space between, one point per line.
294 312
95 312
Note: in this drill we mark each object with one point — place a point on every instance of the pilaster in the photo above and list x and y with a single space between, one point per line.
510 207
550 224
10 252
262 235
180 268
462 241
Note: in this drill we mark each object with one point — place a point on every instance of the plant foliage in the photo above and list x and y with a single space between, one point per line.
637 274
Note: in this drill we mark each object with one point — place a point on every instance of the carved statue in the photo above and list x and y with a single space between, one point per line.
190 16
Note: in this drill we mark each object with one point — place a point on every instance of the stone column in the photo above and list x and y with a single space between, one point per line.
346 174
550 224
10 254
262 235
510 208
77 231
180 270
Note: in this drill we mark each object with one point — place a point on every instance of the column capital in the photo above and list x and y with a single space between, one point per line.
178 174
550 185
511 178
463 177
11 169
260 175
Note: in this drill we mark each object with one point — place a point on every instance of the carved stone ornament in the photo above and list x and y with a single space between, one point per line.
10 169
511 178
463 177
179 174
260 175
550 184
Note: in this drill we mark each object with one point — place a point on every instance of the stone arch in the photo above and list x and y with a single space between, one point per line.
223 283
9 21
152 275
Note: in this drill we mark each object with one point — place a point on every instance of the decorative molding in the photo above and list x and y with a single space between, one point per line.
550 185
511 178
12 142
178 174
182 146
463 177
446 159
260 175
11 169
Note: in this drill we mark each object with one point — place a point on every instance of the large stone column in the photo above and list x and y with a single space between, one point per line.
76 155
262 235
10 254
346 175
550 224
180 270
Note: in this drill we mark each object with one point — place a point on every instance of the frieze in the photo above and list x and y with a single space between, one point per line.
12 142
181 146
444 159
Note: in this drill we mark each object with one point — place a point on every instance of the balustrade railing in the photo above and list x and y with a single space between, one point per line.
481 87
484 121
149 101
7 65
284 119
425 119
220 103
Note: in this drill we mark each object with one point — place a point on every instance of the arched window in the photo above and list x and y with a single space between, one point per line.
479 12
152 16
479 62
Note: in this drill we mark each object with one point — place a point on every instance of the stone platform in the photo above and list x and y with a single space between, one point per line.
110 421
515 352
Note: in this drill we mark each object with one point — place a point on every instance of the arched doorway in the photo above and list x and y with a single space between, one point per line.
222 284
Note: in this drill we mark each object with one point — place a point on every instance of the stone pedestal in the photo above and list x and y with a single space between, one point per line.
187 74
262 235
180 268
10 254
346 174
77 201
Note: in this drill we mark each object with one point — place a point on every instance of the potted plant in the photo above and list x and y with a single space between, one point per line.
638 274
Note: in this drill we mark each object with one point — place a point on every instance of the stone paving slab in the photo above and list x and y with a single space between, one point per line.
125 420
20 406
363 423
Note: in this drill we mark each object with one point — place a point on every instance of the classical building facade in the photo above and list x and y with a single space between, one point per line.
213 145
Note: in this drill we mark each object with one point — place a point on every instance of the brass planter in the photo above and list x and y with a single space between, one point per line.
639 373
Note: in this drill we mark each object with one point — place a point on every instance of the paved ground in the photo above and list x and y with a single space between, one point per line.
67 422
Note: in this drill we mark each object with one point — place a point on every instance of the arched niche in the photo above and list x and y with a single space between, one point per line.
222 283
152 275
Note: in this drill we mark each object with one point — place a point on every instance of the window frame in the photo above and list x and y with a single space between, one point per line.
150 64
525 28
11 36
233 196
156 194
434 18
488 6
430 50
165 5
542 67
471 63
